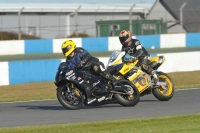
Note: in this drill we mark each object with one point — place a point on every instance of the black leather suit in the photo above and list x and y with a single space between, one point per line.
83 60
137 50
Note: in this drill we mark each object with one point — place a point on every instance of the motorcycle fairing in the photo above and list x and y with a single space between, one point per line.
157 61
78 77
115 69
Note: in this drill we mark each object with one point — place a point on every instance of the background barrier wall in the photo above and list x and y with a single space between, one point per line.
38 46
18 72
12 47
4 73
97 44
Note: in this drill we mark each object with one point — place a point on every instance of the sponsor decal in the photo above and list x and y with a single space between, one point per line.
96 83
74 77
101 99
69 73
81 82
60 72
125 70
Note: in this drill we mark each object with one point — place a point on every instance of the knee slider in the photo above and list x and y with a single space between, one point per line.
144 66
96 68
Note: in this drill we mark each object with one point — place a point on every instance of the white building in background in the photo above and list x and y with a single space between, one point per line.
60 20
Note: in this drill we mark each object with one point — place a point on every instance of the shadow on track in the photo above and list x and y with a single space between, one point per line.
149 101
62 108
84 107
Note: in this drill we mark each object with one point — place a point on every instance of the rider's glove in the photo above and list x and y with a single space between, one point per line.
132 59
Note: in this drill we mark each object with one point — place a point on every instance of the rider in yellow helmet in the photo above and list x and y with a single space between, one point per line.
77 57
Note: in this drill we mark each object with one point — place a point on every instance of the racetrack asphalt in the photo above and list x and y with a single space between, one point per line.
95 54
52 112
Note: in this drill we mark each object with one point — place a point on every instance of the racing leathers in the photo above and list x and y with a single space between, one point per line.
137 51
82 59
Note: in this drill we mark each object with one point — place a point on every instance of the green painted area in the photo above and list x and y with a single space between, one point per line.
175 124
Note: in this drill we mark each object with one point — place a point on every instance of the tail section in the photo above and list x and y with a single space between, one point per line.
157 61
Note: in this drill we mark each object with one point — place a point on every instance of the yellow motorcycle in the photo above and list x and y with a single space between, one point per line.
163 90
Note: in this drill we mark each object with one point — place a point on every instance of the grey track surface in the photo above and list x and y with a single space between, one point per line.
51 111
96 54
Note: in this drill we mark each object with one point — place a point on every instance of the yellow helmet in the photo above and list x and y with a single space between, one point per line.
68 47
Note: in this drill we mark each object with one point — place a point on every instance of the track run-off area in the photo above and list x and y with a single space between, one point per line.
45 112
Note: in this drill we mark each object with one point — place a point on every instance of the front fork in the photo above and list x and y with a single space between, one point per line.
72 89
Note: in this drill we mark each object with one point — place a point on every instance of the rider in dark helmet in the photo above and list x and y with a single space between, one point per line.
135 49
77 57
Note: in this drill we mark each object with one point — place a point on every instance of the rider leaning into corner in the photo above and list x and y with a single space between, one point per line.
135 49
77 58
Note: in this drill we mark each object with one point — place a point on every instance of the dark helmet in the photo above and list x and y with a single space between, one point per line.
125 37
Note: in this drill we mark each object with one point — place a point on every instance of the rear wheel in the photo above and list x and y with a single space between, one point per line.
166 93
132 98
70 97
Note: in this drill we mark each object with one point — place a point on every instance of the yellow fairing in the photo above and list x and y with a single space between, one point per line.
127 67
132 77
117 61
140 87
158 59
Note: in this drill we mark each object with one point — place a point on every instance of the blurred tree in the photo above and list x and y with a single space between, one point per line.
14 36
74 35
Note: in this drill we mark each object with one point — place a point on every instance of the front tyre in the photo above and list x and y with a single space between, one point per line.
70 98
167 93
128 100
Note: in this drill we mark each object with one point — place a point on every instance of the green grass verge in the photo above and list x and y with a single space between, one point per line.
47 90
175 124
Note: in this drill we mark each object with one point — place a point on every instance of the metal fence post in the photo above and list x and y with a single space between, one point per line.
130 18
19 25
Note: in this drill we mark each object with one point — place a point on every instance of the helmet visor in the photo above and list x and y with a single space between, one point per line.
66 49
125 40
122 40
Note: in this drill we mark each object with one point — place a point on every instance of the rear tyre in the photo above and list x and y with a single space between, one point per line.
128 100
72 100
164 94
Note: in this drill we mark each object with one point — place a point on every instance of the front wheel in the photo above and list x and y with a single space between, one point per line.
167 93
128 100
70 97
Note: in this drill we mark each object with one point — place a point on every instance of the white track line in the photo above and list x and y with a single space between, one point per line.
28 101
187 89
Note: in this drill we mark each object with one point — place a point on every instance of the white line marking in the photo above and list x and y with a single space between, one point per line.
28 101
187 89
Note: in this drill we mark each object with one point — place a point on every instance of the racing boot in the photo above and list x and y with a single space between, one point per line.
155 77
109 77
